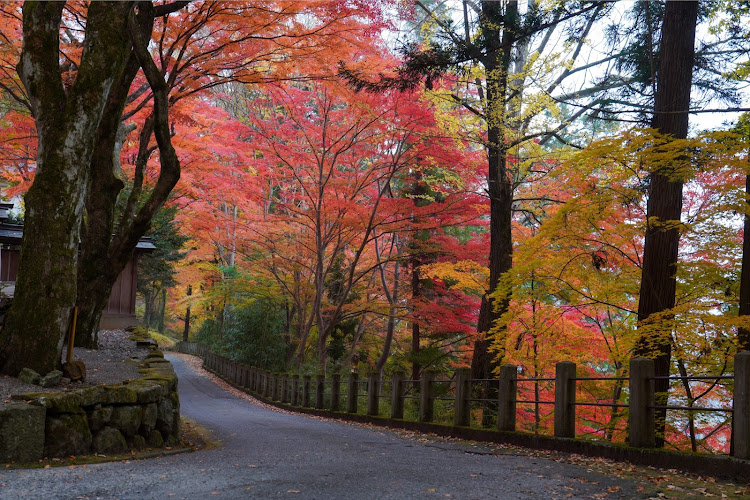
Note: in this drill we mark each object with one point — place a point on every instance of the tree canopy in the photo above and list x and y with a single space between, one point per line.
382 186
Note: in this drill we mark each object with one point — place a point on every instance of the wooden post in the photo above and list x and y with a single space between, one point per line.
642 420
373 400
275 387
397 395
507 395
335 390
427 396
351 395
295 390
741 406
565 398
306 382
462 409
285 388
319 391
72 336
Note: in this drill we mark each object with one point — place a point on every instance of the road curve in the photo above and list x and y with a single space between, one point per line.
268 454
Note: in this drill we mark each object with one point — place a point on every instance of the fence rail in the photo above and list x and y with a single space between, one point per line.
322 393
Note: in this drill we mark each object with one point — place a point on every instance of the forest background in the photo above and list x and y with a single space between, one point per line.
404 186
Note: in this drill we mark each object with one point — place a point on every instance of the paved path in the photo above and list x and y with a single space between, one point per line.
267 454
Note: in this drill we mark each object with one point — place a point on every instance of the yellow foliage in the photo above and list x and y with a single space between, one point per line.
465 275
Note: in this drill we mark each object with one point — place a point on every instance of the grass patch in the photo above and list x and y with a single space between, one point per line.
163 340
196 436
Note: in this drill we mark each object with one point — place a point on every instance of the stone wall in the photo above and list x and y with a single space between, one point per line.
103 419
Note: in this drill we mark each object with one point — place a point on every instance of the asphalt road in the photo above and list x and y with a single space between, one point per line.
267 454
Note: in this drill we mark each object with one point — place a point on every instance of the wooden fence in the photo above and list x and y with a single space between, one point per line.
326 394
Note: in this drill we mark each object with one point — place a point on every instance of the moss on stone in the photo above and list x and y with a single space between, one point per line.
119 394
155 439
66 435
148 422
127 419
137 442
91 396
146 391
21 432
99 417
154 353
109 440
55 402
165 417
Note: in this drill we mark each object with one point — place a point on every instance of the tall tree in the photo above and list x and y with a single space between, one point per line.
671 114
205 45
68 120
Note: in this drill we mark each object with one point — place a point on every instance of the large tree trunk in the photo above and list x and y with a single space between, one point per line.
67 124
416 368
658 281
743 334
102 250
500 187
391 326
96 273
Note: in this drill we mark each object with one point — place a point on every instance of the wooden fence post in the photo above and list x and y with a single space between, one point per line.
352 391
565 398
295 390
397 395
506 398
462 409
335 390
741 406
373 401
642 420
306 382
275 387
284 388
319 389
427 396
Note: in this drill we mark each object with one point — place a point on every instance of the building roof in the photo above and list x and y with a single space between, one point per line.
11 234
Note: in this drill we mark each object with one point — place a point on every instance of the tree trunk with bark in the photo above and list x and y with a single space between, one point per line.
743 334
67 122
658 282
416 368
186 330
499 182
102 250
97 272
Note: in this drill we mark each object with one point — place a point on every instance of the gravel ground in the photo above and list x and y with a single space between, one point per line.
115 361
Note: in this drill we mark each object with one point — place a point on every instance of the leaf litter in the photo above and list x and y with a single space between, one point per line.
654 483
